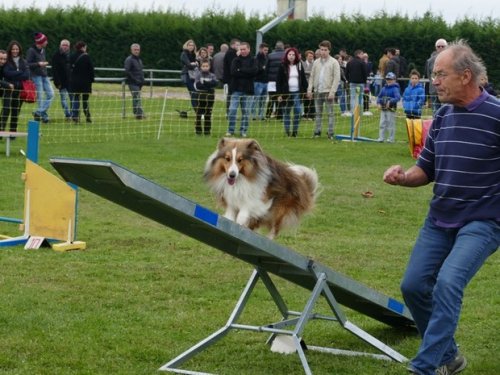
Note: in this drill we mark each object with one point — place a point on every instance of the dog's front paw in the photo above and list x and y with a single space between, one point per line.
230 214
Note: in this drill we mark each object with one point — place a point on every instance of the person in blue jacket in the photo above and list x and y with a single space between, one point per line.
387 102
414 97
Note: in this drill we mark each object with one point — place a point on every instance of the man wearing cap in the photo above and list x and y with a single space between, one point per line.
37 63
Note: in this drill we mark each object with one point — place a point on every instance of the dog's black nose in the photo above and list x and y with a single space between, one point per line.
232 174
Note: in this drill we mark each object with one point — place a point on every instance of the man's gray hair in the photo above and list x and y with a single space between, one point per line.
465 58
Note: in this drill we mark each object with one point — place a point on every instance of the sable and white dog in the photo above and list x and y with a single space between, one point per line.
257 190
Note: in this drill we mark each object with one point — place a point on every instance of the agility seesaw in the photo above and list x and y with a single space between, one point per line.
146 198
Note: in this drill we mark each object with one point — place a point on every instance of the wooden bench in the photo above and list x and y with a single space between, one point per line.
7 136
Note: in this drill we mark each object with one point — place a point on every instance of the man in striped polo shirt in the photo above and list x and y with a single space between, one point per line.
462 229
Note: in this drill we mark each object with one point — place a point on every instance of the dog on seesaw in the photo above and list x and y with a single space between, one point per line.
257 190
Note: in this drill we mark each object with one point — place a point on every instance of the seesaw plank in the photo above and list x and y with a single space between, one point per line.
130 190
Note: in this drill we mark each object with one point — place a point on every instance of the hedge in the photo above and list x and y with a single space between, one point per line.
162 33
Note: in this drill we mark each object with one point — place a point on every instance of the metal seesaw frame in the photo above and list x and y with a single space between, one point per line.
124 187
299 320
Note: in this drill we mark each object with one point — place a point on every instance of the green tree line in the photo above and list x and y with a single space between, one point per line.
162 33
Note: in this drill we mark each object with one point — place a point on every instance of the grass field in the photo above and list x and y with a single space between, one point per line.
141 294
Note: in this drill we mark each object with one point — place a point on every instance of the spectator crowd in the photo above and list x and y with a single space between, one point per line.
72 74
291 86
281 83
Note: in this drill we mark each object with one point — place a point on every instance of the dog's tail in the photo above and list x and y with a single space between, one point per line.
310 178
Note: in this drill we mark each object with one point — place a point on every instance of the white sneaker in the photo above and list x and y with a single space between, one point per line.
346 114
228 134
244 135
367 113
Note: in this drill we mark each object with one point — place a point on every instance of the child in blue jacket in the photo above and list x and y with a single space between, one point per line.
387 102
414 97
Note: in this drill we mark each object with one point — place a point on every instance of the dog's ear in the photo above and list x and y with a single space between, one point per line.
254 145
222 143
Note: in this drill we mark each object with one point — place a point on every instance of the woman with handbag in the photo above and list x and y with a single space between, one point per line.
80 82
15 71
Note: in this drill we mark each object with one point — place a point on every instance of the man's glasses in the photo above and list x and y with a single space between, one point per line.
440 46
438 75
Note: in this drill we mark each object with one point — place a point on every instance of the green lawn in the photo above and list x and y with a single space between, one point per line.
141 294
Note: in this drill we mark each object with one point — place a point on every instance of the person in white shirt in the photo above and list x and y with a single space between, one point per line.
323 83
291 85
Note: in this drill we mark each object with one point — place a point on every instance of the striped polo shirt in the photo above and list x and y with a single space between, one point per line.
462 157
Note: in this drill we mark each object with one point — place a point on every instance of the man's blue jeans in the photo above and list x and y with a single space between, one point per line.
63 93
356 91
292 100
239 98
441 265
136 99
259 100
44 95
340 94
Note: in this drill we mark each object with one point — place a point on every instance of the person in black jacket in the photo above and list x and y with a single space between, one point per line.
3 83
230 55
15 71
356 74
189 67
61 70
82 76
204 83
260 84
243 72
135 79
291 85
273 64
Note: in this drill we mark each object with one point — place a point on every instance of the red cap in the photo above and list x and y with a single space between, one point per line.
40 38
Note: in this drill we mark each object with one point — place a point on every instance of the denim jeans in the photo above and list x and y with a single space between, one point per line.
441 265
244 100
64 95
259 100
136 99
321 99
340 94
43 86
436 104
356 97
292 101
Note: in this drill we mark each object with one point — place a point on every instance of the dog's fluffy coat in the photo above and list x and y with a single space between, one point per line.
257 190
